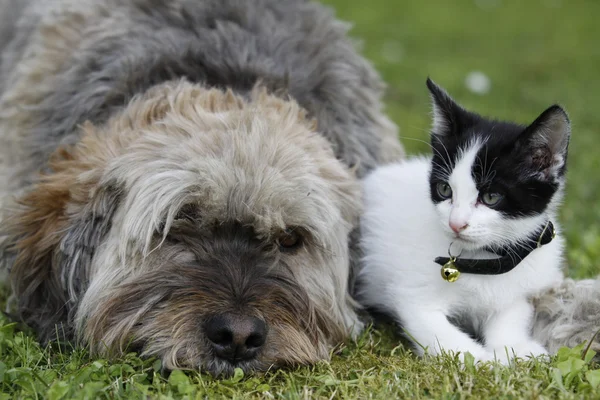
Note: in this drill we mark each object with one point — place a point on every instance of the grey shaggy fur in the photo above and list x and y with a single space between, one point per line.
569 315
294 47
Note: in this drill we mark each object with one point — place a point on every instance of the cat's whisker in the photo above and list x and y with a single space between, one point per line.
447 160
485 167
478 161
441 173
501 241
447 167
491 173
512 244
515 258
416 140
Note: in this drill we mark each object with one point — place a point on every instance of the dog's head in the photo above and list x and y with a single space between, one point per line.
196 226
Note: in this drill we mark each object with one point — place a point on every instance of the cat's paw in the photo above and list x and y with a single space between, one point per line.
478 357
464 356
529 349
523 350
495 357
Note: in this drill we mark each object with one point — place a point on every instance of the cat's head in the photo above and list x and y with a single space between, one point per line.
493 182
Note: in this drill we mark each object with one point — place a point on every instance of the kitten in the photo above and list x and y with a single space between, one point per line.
488 196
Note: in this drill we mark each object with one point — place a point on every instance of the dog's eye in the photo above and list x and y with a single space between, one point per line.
188 212
289 240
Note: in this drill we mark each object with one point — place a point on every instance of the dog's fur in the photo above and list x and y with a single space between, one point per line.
179 141
569 315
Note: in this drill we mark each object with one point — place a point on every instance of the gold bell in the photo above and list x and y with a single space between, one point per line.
449 271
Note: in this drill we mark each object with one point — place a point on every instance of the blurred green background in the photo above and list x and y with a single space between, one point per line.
531 54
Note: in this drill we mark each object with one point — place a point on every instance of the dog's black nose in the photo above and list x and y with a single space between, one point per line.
236 337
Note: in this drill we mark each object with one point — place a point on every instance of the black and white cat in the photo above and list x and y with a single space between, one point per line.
488 197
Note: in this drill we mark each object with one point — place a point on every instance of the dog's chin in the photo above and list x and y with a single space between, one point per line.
213 365
206 361
220 368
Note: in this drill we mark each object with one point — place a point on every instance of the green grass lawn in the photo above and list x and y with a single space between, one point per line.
535 53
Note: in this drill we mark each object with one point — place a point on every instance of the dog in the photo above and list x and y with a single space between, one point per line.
181 178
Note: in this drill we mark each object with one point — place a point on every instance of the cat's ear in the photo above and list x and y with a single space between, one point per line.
548 141
446 112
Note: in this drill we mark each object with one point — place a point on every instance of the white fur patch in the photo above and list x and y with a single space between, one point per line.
464 189
439 121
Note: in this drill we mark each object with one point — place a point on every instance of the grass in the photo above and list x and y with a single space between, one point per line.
371 367
534 53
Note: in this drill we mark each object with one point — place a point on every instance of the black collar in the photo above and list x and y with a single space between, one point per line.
509 257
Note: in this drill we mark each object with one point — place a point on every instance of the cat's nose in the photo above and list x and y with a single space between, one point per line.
458 226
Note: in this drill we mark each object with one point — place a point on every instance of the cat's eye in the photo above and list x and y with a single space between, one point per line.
491 199
289 240
444 190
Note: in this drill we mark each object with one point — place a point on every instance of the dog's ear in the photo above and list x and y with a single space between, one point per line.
85 232
53 235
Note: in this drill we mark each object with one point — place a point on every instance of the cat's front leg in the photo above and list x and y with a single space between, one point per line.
508 333
431 332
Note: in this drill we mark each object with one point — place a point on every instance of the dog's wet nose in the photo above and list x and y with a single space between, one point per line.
236 337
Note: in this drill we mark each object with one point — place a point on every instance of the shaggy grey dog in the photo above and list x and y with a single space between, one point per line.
199 166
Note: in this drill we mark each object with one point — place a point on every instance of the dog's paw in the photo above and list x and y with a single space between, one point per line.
356 328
